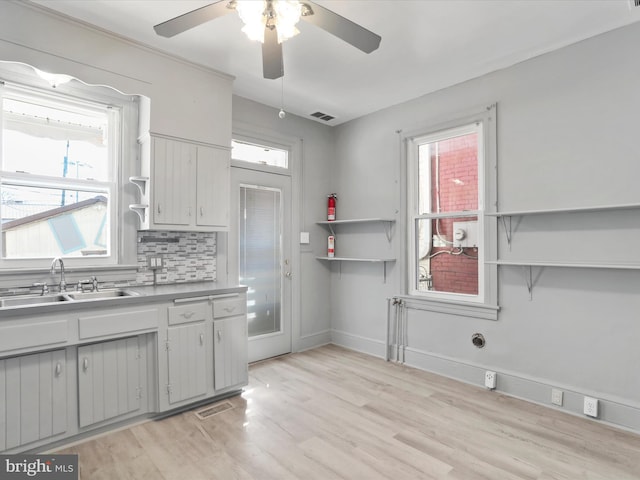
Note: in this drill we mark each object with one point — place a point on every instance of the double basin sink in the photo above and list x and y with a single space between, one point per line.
26 300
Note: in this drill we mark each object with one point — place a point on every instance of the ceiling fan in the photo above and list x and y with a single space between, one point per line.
272 22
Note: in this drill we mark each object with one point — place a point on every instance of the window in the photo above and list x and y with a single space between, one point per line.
448 232
259 154
59 175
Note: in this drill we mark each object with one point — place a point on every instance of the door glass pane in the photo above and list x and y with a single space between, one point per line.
260 257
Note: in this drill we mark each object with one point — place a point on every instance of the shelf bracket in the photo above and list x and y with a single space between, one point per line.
141 183
387 230
528 278
507 228
141 210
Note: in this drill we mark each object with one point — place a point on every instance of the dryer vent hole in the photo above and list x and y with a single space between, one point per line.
478 340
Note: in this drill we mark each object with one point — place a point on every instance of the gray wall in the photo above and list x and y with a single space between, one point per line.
311 315
567 137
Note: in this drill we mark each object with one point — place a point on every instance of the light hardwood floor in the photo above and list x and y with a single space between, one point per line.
333 413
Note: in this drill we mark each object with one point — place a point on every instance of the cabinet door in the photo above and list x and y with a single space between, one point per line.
33 398
174 171
109 383
213 184
230 352
187 362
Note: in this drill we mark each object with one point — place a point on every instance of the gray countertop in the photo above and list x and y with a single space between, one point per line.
142 295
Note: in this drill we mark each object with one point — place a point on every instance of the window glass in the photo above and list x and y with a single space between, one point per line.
259 154
448 170
54 139
446 221
42 222
448 255
58 175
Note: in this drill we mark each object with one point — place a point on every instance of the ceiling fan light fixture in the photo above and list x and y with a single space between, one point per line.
283 15
253 16
288 14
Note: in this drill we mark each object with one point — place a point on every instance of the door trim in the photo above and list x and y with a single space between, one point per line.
295 146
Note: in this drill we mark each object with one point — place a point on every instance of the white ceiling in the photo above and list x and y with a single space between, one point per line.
426 45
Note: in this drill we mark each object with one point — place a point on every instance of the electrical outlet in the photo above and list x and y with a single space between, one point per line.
557 396
490 379
154 262
591 406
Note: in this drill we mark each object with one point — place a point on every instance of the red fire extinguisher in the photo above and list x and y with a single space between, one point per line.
331 206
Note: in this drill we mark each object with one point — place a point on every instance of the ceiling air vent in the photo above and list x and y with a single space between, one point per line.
322 116
634 3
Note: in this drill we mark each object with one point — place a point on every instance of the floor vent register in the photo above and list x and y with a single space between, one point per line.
213 410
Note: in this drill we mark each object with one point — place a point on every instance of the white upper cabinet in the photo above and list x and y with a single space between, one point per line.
185 187
213 188
173 171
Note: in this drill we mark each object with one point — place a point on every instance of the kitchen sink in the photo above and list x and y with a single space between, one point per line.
100 294
25 300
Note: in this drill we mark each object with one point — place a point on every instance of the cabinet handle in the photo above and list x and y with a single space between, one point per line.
229 309
85 364
159 209
202 339
201 211
219 335
58 369
189 211
188 315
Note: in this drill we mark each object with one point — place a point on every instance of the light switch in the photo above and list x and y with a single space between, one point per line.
304 238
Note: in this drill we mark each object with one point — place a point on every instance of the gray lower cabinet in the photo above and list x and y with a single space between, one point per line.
230 352
33 398
111 380
187 362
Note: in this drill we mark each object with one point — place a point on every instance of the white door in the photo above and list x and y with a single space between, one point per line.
260 239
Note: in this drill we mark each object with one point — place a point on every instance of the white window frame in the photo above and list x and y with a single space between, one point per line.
267 142
484 304
122 165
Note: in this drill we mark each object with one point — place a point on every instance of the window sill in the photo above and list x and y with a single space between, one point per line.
464 309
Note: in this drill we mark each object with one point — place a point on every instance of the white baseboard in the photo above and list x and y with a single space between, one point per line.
313 340
359 343
614 412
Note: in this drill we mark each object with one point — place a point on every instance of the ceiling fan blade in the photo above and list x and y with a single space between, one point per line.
193 18
272 66
345 29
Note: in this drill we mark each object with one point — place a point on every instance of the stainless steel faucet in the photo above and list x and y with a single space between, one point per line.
63 284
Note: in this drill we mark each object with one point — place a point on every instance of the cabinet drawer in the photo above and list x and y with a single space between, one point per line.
229 306
194 312
117 323
33 335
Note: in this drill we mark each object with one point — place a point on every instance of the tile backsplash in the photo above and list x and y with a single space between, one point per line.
186 256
